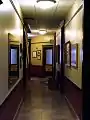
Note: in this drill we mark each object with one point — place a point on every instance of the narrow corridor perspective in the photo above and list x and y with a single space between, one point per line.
43 104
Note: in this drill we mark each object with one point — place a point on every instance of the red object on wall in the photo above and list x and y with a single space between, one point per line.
74 95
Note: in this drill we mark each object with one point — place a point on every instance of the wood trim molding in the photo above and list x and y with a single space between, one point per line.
16 11
19 106
80 7
71 109
74 97
39 42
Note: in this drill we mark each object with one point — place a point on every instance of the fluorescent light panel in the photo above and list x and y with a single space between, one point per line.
31 35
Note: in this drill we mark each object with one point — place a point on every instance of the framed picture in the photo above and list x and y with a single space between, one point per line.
38 57
67 54
34 54
38 52
74 55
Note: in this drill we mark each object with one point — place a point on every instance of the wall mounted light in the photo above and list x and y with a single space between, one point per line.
45 4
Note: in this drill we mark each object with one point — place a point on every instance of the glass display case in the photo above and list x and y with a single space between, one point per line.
13 61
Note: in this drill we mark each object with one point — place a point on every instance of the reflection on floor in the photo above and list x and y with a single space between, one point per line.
43 104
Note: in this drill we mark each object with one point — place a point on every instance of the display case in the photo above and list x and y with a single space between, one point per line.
13 60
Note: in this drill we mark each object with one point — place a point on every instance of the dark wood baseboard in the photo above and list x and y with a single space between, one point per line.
18 109
73 96
10 107
36 71
72 109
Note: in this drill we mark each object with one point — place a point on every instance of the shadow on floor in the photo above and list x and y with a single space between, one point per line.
42 104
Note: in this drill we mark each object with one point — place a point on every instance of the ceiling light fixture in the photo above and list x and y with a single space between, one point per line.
45 4
42 32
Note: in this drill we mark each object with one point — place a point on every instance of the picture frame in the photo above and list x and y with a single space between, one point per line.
38 57
67 54
74 55
38 52
34 54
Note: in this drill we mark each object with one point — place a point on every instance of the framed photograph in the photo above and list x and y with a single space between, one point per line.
74 55
38 52
67 54
34 54
38 57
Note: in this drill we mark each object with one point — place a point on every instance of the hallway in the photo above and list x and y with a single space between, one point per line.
43 104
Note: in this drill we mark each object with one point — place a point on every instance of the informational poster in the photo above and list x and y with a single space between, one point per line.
34 54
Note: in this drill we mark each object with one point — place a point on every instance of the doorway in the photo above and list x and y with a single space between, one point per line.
48 60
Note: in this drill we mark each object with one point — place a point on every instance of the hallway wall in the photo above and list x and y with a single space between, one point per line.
73 32
73 76
73 80
37 44
9 23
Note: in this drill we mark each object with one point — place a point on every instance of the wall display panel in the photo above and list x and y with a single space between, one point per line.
67 54
74 55
34 54
13 60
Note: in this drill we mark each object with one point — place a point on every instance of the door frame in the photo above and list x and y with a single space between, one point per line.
43 57
62 58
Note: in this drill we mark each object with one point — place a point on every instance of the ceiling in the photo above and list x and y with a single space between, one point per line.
48 19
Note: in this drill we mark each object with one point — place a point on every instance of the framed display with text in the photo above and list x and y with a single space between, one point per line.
38 52
74 55
38 57
34 54
67 53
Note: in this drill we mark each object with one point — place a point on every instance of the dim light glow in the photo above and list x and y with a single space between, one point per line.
42 32
27 2
45 4
74 34
35 31
6 6
31 35
17 32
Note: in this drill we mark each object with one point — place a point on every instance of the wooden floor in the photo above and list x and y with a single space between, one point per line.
43 104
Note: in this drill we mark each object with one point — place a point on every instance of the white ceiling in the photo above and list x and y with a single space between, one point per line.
50 18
